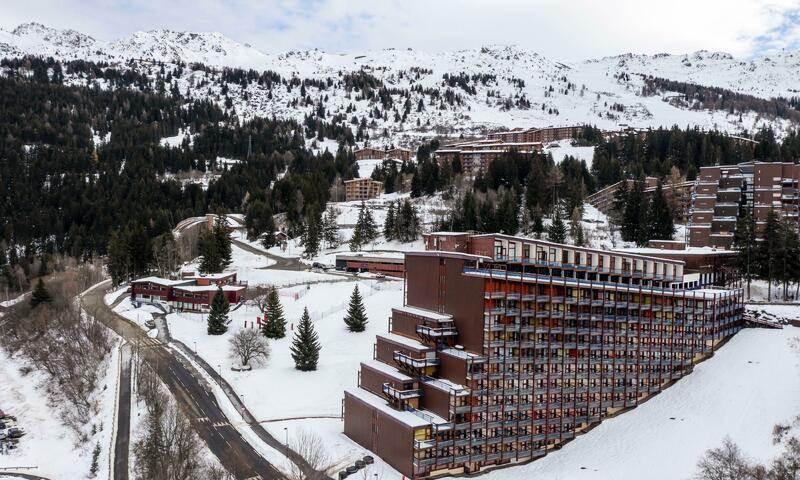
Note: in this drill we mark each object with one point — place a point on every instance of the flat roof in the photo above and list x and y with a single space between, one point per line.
388 370
423 312
209 288
688 251
163 281
447 253
405 341
398 256
405 417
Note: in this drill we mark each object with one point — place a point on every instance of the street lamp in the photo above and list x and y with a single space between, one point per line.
220 369
195 348
286 431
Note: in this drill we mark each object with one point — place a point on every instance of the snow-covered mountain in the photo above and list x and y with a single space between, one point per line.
498 86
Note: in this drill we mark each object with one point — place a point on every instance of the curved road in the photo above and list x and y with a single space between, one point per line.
185 384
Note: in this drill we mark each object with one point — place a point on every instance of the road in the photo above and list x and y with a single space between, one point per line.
192 396
281 263
123 438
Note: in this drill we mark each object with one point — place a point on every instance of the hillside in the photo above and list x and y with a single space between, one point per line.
398 95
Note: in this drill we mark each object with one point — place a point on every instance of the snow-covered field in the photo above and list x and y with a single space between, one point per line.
50 448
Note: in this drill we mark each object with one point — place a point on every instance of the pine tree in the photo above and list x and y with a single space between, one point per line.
312 234
557 231
222 237
770 250
218 317
389 223
330 228
356 318
95 460
208 248
274 325
305 345
659 217
744 242
579 238
369 229
634 217
620 202
40 294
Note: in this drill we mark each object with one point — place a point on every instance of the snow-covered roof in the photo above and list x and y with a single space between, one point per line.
405 341
372 256
210 276
446 385
457 352
388 370
448 253
685 251
423 312
405 417
162 281
210 288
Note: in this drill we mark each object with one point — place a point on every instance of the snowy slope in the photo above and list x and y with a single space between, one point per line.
512 87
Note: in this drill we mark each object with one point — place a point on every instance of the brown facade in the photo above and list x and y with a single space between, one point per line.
517 345
724 193
192 292
362 189
542 135
368 153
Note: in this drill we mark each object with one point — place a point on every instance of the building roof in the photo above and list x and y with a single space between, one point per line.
163 281
210 288
688 251
449 254
388 370
404 341
405 417
390 257
423 312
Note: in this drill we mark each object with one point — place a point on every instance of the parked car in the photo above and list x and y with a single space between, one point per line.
319 265
15 432
150 323
380 276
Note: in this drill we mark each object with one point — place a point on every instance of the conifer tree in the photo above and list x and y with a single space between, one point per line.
330 228
579 237
40 294
744 242
222 237
389 223
659 217
208 248
770 250
218 317
274 325
356 318
557 231
369 229
634 216
312 234
305 345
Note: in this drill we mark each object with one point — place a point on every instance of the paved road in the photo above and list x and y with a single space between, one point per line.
281 263
186 385
122 441
22 475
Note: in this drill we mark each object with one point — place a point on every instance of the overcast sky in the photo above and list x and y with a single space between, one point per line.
561 29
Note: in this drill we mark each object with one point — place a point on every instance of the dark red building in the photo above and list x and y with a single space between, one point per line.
192 292
507 347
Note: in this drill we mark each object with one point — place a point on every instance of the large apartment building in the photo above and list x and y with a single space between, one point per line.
723 193
362 189
507 347
478 154
540 135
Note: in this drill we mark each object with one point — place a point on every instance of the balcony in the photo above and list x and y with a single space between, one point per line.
396 394
414 363
440 332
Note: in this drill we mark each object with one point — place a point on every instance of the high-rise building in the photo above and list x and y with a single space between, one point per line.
507 347
723 193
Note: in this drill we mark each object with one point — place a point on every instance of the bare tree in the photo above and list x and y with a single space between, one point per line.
310 447
724 463
249 346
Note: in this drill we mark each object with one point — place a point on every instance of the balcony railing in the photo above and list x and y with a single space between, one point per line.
411 362
439 332
396 394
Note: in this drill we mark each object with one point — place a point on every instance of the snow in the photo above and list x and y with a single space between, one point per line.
559 94
564 148
13 301
52 449
177 140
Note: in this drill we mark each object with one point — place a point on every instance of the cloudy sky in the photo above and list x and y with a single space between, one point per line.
565 30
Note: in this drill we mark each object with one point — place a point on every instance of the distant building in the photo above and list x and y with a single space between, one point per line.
362 189
476 155
191 292
538 135
391 264
723 193
507 347
368 153
603 199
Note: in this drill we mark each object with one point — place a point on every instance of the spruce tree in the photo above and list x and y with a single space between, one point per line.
659 217
274 325
312 234
369 229
389 223
218 317
330 228
744 242
222 237
208 248
305 345
557 231
634 217
40 294
356 318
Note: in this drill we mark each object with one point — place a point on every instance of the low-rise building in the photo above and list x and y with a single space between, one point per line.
191 292
362 189
369 153
387 263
